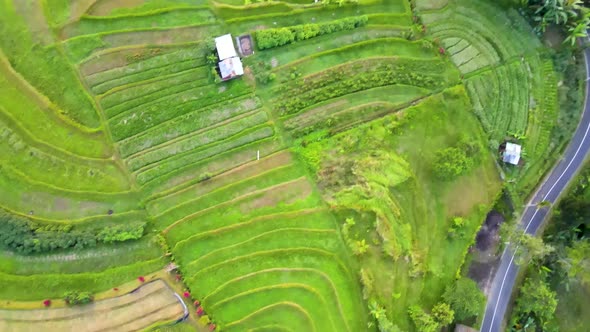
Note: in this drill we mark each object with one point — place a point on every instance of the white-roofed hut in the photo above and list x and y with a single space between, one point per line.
230 65
512 153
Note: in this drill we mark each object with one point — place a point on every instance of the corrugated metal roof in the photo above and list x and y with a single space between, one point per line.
225 47
231 67
512 153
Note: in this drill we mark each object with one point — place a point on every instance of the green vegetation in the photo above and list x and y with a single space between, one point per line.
556 289
337 186
75 297
270 38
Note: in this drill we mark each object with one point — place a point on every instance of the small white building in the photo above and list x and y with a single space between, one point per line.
230 65
512 153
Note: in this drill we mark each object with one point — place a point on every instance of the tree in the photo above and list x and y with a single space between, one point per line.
536 300
423 321
451 162
465 298
443 314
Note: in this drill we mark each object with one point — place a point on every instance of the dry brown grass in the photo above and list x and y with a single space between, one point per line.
149 304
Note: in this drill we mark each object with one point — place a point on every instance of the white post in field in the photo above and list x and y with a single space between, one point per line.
258 155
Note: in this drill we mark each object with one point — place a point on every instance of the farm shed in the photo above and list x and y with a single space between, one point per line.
512 153
230 65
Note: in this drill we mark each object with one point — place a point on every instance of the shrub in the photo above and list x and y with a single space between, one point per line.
76 297
120 233
451 162
465 298
270 38
27 236
423 321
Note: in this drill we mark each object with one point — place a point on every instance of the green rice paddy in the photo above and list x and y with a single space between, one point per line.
110 115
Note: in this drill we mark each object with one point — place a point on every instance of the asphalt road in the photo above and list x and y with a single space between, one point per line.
532 218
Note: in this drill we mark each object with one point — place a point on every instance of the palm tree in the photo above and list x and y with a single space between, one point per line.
578 30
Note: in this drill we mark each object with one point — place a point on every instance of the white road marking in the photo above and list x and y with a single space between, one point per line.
545 197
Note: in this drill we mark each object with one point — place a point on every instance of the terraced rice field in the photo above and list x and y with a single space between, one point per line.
149 304
110 116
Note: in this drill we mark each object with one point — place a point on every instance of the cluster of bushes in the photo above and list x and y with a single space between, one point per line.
455 161
27 236
341 85
76 297
270 38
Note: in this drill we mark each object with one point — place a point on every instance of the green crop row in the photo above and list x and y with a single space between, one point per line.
208 182
48 203
48 168
178 68
246 263
230 217
177 163
302 294
39 287
169 214
226 12
329 113
276 238
194 246
316 280
21 104
446 30
169 108
96 259
370 79
187 123
297 51
220 162
153 94
146 6
348 118
167 18
509 26
45 68
390 19
193 142
192 53
283 314
387 47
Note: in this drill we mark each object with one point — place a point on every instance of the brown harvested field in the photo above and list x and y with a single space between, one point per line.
105 7
253 168
149 304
